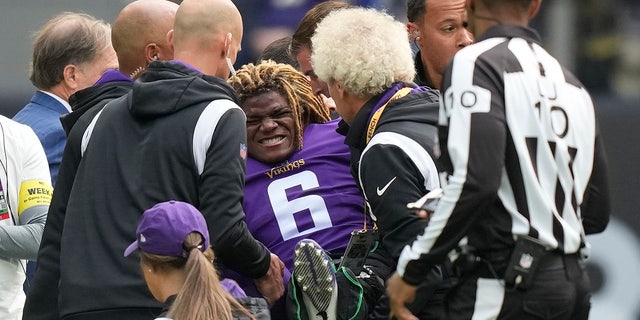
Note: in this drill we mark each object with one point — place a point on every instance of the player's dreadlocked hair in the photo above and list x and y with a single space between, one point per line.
252 80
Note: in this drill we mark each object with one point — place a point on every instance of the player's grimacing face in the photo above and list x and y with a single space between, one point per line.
270 127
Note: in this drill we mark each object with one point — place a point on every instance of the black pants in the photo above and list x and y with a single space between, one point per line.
561 290
428 303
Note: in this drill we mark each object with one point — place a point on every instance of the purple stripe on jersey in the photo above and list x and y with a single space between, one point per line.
419 89
112 75
247 286
385 97
233 288
186 65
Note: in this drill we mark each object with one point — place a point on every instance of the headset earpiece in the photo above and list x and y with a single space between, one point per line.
416 35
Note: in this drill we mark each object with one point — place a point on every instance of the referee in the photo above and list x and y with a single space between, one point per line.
527 178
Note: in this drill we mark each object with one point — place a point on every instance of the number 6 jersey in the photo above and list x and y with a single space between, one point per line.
310 195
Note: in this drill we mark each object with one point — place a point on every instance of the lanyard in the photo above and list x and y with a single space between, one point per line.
373 123
372 128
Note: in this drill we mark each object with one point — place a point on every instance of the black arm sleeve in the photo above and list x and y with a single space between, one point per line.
237 241
221 197
596 206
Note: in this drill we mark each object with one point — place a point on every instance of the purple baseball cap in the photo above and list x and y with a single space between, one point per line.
163 228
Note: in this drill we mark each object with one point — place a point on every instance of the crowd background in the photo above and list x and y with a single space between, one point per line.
599 40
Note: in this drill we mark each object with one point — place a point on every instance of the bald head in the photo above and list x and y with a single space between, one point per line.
139 34
205 32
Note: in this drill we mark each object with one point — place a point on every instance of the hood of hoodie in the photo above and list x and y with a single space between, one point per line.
93 97
169 86
422 107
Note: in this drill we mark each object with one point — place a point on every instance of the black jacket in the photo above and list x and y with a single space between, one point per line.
421 78
164 140
397 167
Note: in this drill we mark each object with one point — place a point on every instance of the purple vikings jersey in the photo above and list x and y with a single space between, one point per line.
311 195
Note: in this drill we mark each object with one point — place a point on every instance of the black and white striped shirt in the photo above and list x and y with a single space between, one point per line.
520 141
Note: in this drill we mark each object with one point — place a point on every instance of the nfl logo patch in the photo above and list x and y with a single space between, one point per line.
243 151
526 260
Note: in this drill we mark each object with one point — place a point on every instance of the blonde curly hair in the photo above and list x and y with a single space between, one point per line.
366 49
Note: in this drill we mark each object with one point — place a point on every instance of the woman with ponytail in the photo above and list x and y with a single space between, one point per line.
177 263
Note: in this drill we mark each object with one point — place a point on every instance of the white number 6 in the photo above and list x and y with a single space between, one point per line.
285 209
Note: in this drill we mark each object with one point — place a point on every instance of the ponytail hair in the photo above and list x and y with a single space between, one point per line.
201 297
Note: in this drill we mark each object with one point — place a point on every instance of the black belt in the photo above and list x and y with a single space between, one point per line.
555 260
492 265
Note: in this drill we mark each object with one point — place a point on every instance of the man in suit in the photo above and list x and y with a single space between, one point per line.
70 53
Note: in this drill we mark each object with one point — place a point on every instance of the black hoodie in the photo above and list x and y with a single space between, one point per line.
177 135
405 156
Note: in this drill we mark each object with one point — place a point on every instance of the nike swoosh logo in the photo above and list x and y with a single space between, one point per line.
380 192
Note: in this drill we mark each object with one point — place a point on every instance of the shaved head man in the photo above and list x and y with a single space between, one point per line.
152 20
207 35
139 34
